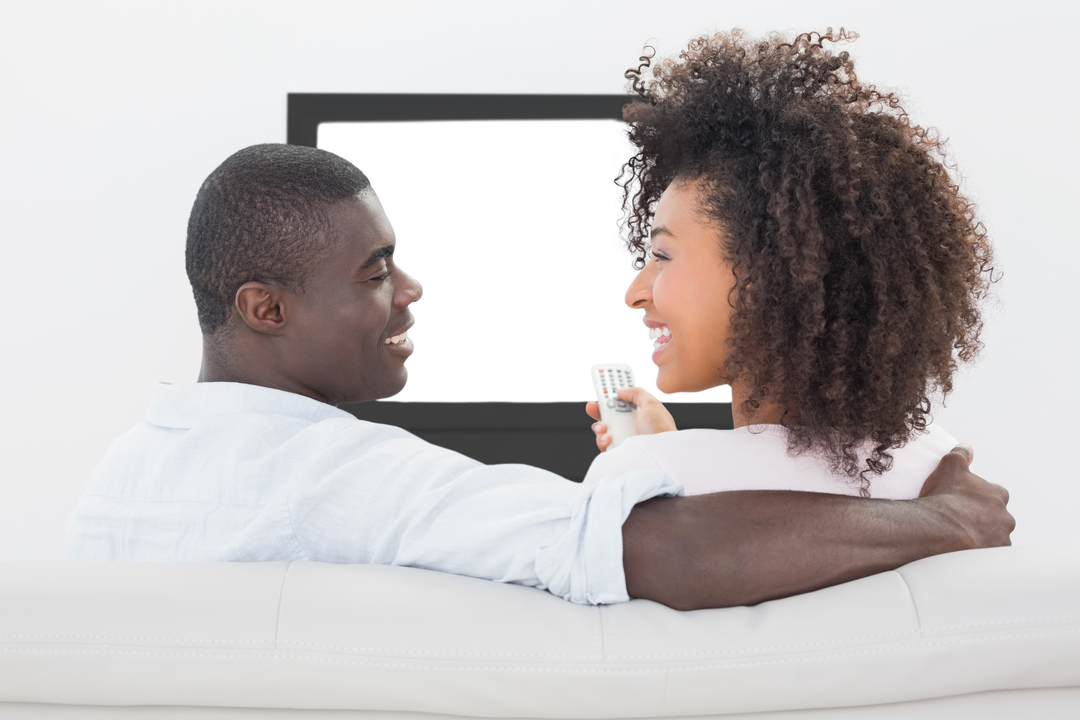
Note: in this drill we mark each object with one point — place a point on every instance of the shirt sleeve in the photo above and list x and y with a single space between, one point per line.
615 462
397 500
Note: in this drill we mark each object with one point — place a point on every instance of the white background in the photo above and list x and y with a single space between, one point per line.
113 113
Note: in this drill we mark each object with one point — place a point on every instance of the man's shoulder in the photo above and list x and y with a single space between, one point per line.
247 434
340 437
267 425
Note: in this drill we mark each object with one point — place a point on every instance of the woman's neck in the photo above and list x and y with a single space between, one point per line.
767 413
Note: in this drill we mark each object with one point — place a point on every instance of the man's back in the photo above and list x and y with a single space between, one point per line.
235 472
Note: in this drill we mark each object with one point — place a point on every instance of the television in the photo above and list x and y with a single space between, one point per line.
506 209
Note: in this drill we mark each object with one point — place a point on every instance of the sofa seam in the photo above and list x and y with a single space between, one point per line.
342 648
281 595
603 649
911 596
595 670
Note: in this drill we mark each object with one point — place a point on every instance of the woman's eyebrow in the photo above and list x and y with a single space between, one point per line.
660 230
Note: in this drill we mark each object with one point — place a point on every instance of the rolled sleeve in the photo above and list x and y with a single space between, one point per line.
585 564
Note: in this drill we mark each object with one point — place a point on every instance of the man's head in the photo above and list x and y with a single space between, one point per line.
290 257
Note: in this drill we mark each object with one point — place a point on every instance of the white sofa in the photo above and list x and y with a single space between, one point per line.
980 634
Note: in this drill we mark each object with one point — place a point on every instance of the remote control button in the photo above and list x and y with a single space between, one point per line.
610 404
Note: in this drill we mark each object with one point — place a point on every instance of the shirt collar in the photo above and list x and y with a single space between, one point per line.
183 406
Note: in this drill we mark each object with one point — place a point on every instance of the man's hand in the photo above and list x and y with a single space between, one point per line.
974 507
652 416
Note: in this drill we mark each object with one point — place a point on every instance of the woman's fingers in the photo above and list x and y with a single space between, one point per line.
602 438
593 410
652 416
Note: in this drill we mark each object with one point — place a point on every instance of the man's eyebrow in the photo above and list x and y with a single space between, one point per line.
383 252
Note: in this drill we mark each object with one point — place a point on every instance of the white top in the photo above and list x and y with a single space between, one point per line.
233 472
756 458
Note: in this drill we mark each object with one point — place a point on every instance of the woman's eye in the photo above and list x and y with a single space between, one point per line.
659 256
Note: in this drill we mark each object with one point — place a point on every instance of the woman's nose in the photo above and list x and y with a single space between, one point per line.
639 294
628 291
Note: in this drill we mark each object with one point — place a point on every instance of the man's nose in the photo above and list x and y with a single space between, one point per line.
408 289
417 288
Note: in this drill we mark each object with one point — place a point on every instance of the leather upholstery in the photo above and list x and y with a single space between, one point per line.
374 638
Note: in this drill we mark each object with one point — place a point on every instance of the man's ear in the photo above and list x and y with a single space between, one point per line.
262 306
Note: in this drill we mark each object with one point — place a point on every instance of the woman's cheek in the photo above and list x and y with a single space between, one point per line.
667 297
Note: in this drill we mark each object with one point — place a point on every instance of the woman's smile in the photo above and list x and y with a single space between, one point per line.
661 337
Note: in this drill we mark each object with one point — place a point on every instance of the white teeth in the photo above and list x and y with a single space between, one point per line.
656 346
654 333
397 339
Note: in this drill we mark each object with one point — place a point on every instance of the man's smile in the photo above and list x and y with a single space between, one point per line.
400 343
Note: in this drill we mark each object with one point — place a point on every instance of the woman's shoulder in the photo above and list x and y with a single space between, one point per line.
756 457
704 461
767 464
912 464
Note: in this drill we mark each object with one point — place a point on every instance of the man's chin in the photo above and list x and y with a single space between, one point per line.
387 389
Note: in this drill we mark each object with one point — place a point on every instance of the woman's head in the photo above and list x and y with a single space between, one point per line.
853 266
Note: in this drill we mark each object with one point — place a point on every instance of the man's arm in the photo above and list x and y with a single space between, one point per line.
745 547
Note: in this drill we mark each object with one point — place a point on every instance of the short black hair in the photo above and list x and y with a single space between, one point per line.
262 215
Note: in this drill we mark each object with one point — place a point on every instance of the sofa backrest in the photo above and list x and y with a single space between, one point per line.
310 635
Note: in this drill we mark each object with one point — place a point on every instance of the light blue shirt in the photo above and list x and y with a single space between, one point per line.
233 472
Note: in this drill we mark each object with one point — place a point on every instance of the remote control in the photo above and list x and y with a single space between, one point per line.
619 416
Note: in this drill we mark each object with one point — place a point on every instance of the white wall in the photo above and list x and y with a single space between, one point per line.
114 112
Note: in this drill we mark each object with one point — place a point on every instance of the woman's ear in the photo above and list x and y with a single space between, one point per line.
262 306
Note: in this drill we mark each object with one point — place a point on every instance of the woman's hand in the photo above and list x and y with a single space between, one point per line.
652 416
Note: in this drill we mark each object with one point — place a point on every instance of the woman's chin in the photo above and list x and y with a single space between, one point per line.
667 384
666 388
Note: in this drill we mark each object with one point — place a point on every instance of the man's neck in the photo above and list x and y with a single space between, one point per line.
233 360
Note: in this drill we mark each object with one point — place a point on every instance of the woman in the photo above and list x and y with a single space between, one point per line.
799 240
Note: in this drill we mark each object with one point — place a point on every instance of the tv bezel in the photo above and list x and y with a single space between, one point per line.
306 111
554 436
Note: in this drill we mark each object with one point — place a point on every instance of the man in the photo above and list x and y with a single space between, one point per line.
291 260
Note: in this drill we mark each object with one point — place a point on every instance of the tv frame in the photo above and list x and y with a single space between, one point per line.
554 436
306 111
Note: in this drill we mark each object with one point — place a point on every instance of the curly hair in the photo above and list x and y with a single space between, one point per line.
859 266
262 215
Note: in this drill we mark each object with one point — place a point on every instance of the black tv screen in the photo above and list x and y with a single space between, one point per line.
508 227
